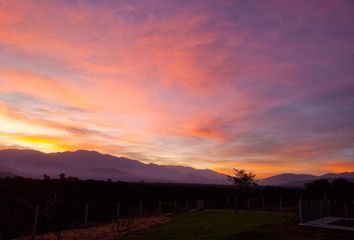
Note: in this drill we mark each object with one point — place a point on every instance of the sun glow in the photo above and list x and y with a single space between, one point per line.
172 83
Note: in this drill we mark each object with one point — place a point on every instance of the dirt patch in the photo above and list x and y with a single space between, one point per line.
104 232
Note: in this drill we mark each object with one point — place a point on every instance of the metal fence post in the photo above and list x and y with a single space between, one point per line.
35 222
86 214
235 204
160 207
118 210
345 210
300 211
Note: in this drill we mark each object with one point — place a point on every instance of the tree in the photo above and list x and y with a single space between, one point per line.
342 186
321 186
62 176
72 179
46 177
242 179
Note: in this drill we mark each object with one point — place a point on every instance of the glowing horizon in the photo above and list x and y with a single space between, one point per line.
263 86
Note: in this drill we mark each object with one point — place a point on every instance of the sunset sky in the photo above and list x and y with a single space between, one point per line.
267 86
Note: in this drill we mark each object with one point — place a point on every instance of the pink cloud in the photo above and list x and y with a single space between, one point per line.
156 76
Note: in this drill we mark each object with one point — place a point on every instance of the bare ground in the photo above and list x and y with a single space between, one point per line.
104 232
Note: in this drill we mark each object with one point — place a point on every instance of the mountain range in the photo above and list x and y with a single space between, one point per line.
94 165
298 180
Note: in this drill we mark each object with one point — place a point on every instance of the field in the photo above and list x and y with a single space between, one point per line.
204 225
226 225
62 207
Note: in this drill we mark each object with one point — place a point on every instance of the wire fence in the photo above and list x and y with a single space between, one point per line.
312 210
56 216
29 220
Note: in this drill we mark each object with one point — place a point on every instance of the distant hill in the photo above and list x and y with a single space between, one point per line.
93 165
8 171
285 178
296 180
7 174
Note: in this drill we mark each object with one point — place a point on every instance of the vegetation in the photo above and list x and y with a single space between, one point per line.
291 231
62 201
338 187
242 179
210 225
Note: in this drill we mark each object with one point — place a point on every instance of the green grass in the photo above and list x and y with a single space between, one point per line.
291 231
210 225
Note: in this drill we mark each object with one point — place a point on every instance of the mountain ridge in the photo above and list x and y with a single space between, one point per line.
86 164
296 180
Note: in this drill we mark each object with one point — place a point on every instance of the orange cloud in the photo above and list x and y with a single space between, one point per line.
339 166
180 84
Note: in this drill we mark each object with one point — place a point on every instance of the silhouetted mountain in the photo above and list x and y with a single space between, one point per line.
296 180
7 174
94 165
348 175
286 178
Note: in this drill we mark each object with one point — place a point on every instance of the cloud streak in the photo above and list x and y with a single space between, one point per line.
208 84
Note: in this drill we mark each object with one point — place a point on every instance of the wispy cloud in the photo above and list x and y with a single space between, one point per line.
217 84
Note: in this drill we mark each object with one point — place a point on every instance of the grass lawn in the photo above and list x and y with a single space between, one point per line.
210 225
288 231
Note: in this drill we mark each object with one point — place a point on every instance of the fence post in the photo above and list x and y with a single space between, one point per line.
35 222
160 207
86 214
235 204
312 211
263 201
300 211
329 207
280 204
248 203
175 206
141 208
345 210
118 210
